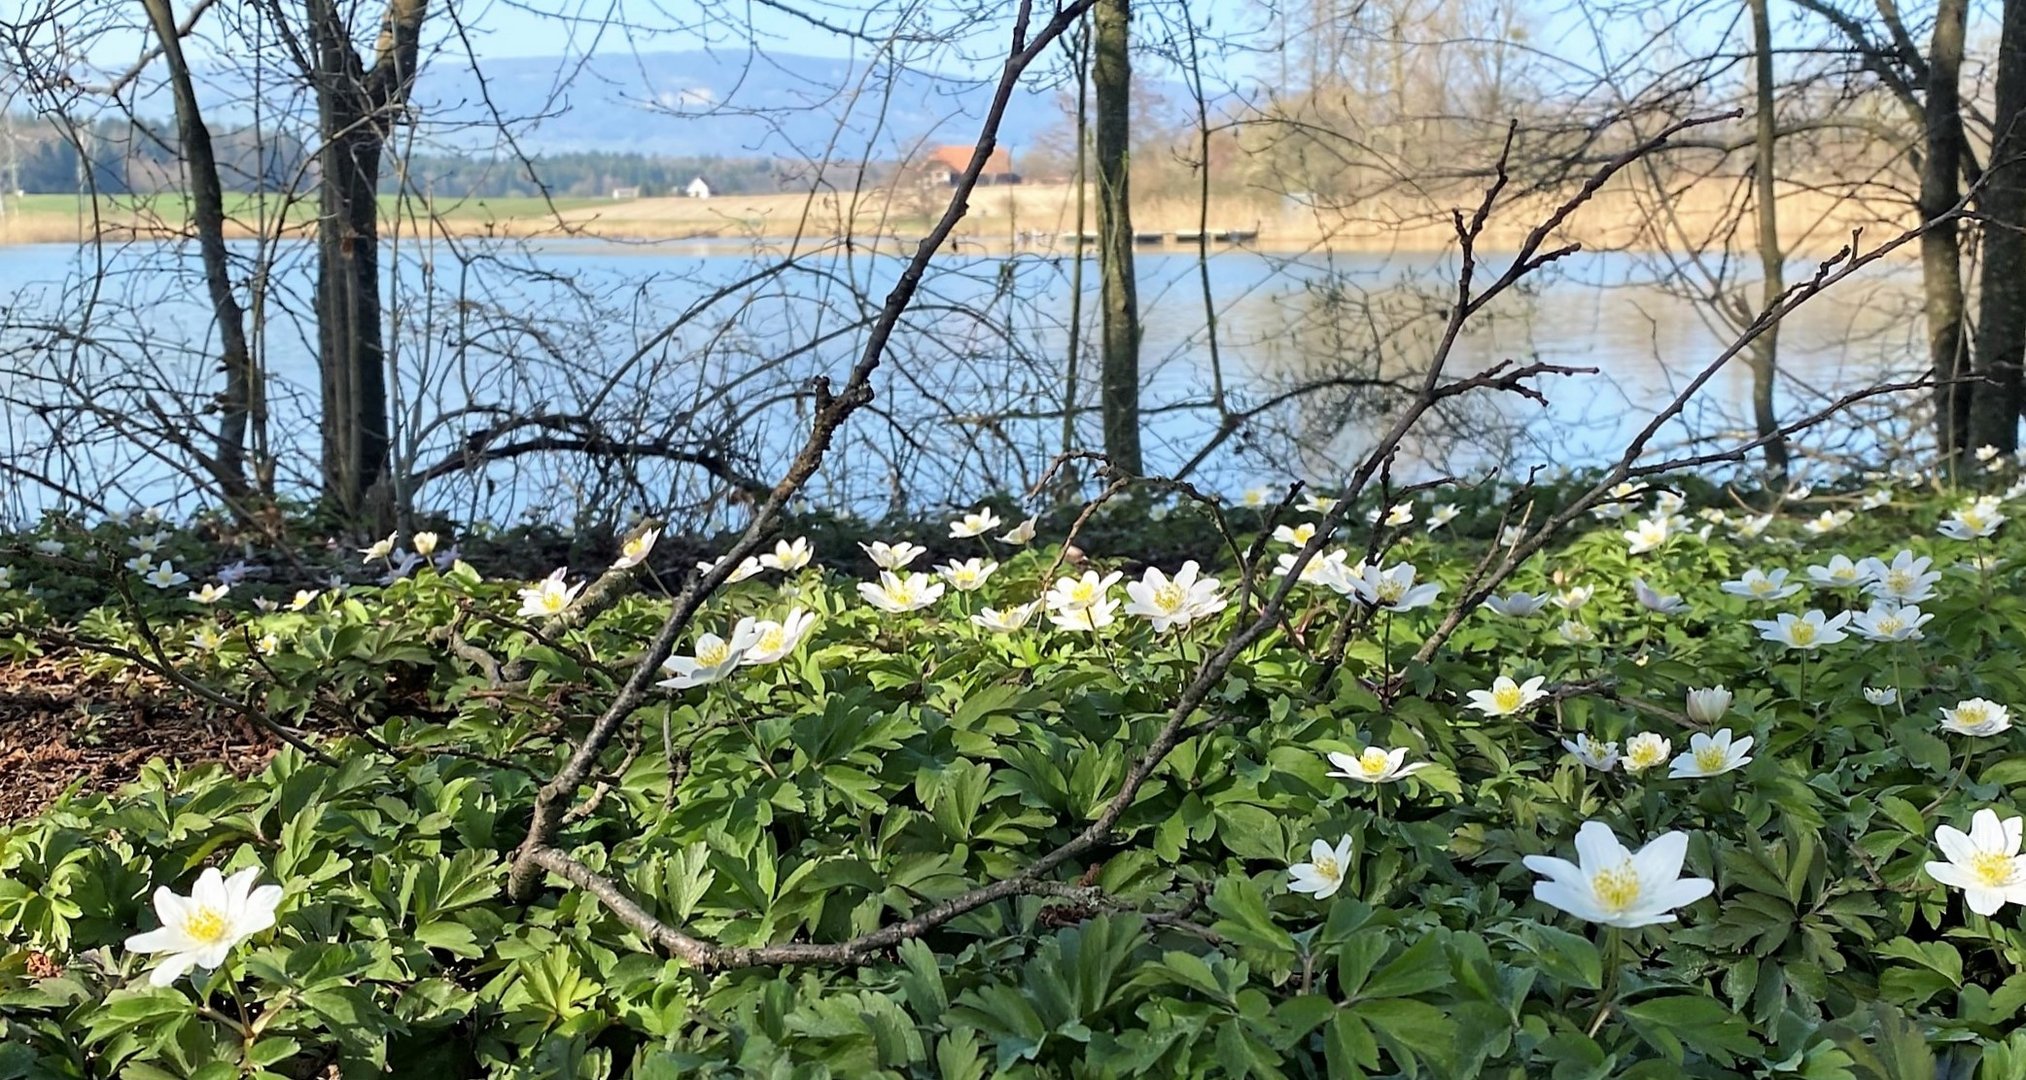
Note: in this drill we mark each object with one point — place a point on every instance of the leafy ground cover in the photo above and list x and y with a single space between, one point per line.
1698 791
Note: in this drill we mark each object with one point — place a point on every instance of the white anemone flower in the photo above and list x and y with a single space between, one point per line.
1972 522
892 556
1020 535
1882 695
1826 522
425 544
1576 632
1757 584
1077 593
1090 619
379 550
549 597
50 547
302 599
1646 750
200 930
1887 622
1711 755
148 543
1876 500
1977 716
898 595
1329 569
976 523
1313 503
1323 874
206 639
267 644
1393 516
1507 697
1394 589
713 659
1574 597
1838 573
966 576
1904 580
1616 887
1985 864
1809 632
1374 765
210 593
1169 603
1442 515
1596 755
1650 534
748 568
166 576
1709 705
1256 497
1519 605
635 550
1655 601
789 556
1294 535
1007 621
772 641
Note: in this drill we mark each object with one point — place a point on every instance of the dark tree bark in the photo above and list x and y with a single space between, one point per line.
1119 374
358 109
1940 249
2001 312
1765 356
227 461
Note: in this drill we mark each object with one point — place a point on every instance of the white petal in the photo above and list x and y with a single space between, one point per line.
1955 847
1598 848
1660 860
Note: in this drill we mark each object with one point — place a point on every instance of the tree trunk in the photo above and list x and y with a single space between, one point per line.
1119 375
227 462
2001 314
356 111
1940 249
1772 262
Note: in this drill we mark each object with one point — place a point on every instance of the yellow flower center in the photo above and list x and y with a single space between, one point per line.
1992 870
552 602
1973 520
1304 532
713 655
1844 573
1802 633
1390 590
1083 592
1710 758
1169 597
1891 624
634 548
772 640
1762 586
205 925
1374 762
1326 867
1899 580
1506 697
1643 755
1617 889
900 595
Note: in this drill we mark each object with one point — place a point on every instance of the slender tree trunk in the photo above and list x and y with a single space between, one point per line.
356 109
227 462
1940 249
2001 313
1119 377
1765 355
1071 388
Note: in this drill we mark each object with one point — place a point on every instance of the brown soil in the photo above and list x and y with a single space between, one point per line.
61 725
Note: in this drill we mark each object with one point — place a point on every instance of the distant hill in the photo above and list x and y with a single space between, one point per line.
725 104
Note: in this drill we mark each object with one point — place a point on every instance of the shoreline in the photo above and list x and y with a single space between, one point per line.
1027 219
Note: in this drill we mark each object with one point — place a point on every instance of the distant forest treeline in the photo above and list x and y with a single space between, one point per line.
129 158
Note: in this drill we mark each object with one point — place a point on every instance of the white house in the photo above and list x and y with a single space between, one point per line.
697 189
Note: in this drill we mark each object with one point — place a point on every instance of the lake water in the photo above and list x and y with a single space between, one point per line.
972 400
